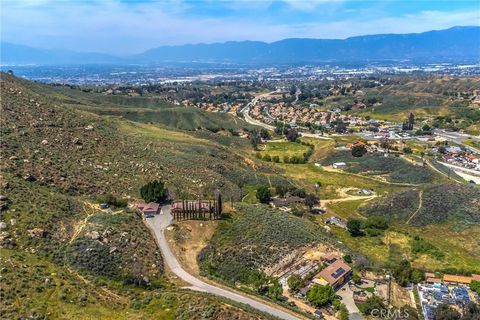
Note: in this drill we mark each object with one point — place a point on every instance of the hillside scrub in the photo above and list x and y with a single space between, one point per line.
255 237
440 203
396 169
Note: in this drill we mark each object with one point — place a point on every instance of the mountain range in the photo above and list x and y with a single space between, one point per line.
457 44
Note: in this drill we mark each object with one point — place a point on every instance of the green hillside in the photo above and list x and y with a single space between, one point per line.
65 257
255 237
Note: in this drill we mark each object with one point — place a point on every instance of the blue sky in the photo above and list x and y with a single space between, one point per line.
130 26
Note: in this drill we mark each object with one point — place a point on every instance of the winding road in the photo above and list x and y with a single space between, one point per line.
158 224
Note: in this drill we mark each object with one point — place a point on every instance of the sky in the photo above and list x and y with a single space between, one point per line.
133 26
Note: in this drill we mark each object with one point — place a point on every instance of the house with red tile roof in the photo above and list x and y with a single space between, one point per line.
149 209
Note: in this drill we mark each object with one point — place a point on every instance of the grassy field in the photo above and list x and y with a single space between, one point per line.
284 148
306 175
472 143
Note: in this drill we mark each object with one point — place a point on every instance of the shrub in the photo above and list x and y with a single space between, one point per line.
295 282
354 227
111 200
475 286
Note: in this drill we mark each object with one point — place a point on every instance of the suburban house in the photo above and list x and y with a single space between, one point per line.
334 275
149 210
285 202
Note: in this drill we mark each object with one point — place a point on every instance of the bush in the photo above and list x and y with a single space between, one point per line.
263 194
475 286
111 200
354 227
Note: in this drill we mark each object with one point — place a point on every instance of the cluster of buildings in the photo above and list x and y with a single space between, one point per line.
184 209
335 273
451 289
456 156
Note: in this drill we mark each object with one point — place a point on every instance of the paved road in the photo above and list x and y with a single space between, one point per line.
347 298
158 225
458 138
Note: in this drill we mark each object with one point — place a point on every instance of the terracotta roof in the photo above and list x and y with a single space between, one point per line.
334 272
455 278
430 275
152 206
434 280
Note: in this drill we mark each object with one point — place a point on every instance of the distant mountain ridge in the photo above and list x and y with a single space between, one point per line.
454 44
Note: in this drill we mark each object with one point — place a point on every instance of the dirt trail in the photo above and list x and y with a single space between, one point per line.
109 294
344 196
329 169
420 200
83 223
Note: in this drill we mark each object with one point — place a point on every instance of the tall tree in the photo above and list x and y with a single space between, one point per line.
219 205
154 191
411 121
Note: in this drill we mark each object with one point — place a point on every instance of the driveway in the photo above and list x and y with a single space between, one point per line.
158 225
347 298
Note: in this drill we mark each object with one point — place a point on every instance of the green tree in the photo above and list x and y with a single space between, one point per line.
358 150
295 282
311 200
475 286
255 139
320 295
403 273
292 135
343 312
354 227
471 311
263 194
219 207
154 191
276 159
407 150
417 276
372 305
275 290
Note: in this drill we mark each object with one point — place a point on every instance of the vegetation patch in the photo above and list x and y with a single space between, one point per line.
255 237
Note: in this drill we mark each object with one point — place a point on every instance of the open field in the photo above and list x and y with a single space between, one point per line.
306 175
282 149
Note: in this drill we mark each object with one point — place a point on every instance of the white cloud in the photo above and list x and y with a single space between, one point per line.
110 26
